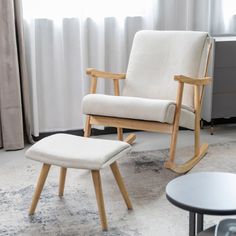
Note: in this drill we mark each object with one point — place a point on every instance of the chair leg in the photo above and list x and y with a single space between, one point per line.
197 135
62 181
42 178
173 144
98 191
120 134
120 183
87 129
130 139
170 162
199 150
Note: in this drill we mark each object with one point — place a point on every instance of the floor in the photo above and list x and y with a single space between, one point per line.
145 141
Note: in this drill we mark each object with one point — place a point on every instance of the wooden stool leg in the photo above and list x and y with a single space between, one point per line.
120 134
98 190
120 183
43 175
62 181
87 129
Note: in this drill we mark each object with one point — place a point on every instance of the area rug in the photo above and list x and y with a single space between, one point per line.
76 213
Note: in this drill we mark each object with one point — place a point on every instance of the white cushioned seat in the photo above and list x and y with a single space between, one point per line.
136 108
72 151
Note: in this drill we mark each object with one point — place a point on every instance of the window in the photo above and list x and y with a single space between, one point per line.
88 8
229 13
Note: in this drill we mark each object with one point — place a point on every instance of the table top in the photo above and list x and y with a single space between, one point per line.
212 193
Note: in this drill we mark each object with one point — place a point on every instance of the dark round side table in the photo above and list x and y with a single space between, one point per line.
211 193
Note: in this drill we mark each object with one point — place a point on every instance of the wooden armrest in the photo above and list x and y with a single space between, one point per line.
104 74
193 81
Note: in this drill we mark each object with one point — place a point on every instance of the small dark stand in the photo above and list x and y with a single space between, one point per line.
211 193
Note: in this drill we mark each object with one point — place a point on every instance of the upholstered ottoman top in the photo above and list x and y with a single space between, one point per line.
77 152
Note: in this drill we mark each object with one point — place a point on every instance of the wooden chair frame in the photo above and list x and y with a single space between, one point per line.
199 85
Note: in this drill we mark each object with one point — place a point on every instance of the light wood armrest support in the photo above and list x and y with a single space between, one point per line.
95 74
103 74
193 81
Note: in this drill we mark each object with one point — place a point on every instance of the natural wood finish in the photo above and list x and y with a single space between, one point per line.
98 191
117 93
62 181
176 122
116 87
196 96
93 87
120 183
193 81
42 178
197 121
130 139
120 134
131 124
185 167
87 128
199 152
104 74
94 74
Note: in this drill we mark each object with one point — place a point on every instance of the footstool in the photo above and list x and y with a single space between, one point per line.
70 151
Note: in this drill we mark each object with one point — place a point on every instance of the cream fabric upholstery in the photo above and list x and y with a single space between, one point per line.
136 108
77 152
149 90
157 56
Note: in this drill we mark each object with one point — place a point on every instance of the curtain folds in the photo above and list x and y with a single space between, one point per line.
59 52
59 49
14 95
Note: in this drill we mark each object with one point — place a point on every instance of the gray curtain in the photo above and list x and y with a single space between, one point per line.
14 93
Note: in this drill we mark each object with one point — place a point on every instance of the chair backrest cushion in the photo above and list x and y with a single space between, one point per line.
157 56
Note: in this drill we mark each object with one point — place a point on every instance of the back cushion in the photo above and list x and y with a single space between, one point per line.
157 56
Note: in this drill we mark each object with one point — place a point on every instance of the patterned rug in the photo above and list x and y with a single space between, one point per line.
76 213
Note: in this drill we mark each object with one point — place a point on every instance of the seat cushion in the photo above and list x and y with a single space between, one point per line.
136 108
77 152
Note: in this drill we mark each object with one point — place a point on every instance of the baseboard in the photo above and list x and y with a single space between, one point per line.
80 132
218 121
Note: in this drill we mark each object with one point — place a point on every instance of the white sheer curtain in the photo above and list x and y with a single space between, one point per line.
64 37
